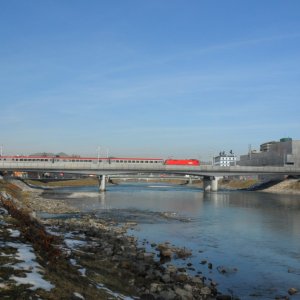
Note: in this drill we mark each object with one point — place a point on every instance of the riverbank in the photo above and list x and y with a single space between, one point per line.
83 257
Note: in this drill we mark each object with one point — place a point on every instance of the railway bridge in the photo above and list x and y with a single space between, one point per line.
210 174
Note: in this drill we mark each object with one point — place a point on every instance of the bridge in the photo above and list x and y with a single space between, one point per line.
210 174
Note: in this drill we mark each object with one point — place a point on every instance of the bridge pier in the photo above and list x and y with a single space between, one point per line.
102 183
210 183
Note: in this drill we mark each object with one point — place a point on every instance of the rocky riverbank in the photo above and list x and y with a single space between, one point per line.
82 257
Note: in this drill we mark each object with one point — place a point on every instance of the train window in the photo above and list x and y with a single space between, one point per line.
146 161
73 160
151 161
90 160
100 161
138 161
142 161
121 161
125 161
117 161
129 161
133 161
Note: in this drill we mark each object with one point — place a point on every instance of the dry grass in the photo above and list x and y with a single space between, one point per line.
238 184
65 183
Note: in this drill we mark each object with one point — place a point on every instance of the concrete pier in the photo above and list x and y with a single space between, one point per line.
102 183
210 183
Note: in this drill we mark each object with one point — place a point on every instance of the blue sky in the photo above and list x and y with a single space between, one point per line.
148 78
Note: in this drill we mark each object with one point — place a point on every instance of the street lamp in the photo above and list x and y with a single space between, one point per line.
98 153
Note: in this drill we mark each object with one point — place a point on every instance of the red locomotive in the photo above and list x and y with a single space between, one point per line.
181 162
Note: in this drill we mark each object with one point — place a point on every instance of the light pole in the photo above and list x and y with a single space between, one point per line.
98 153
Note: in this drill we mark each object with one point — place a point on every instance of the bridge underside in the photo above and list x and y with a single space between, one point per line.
210 174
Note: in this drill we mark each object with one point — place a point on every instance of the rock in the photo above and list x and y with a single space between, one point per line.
166 278
210 266
205 291
171 269
292 291
182 277
167 295
203 262
186 295
153 287
188 288
197 280
166 253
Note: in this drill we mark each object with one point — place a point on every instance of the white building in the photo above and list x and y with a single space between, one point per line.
225 160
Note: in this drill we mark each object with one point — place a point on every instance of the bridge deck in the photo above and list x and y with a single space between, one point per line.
119 168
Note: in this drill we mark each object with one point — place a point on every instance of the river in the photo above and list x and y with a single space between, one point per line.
252 239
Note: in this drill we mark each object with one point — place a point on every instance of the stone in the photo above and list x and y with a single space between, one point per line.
292 291
166 278
167 295
205 291
186 295
181 277
188 288
166 253
153 287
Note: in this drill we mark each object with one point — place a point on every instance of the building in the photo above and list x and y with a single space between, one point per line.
225 160
280 153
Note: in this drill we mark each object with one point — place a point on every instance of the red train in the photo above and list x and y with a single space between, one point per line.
182 162
110 160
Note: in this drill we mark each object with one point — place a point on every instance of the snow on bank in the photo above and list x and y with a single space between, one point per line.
31 268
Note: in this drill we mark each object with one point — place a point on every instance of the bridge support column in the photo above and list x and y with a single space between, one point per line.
214 184
102 183
210 184
206 184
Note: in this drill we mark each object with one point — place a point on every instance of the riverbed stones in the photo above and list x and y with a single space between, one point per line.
292 291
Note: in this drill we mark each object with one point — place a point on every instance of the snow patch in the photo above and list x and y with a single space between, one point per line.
14 233
78 295
33 269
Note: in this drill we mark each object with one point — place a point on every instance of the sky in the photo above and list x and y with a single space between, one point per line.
150 78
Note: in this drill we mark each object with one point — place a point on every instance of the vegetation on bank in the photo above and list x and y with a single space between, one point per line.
90 181
236 183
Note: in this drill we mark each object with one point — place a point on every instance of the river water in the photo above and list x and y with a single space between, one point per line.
252 239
